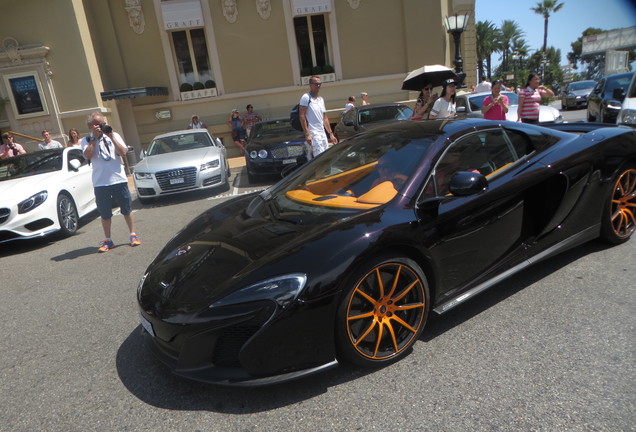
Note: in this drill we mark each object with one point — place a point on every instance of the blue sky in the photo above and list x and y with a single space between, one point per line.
565 26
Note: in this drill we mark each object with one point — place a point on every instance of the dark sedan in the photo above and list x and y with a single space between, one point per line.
605 101
346 258
273 149
576 93
362 118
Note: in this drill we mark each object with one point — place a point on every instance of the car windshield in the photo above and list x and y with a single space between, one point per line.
394 112
616 82
31 164
582 85
180 142
272 128
476 102
361 173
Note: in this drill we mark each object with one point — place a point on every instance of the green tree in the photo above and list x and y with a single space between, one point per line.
545 8
510 32
488 41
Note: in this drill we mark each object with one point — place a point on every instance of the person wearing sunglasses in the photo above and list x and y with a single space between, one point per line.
424 103
314 120
105 148
9 148
444 106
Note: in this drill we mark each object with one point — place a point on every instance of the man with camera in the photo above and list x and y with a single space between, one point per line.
104 148
10 148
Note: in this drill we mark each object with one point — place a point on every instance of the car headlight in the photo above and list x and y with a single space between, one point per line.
142 175
262 154
614 105
627 116
212 164
282 290
32 202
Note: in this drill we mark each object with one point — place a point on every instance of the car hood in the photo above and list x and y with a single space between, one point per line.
22 188
178 159
223 250
276 140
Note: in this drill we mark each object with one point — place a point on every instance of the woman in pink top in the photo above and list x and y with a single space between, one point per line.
529 99
495 106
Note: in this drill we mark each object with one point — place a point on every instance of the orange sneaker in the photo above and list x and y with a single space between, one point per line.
134 240
106 245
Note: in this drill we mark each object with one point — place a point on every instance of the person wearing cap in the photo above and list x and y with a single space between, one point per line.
196 123
444 106
235 122
9 148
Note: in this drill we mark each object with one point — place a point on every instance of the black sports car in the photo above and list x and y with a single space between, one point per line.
273 148
346 258
366 117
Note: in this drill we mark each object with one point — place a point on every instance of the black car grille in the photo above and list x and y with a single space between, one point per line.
212 180
189 176
287 151
4 214
230 342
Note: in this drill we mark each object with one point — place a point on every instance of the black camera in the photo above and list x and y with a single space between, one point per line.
106 128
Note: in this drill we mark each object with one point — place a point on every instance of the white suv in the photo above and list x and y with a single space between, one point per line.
627 114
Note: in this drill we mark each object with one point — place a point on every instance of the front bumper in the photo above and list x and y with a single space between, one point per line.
39 222
179 180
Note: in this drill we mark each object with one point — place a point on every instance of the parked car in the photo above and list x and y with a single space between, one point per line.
469 105
346 258
44 192
365 117
181 161
273 149
607 97
627 114
576 93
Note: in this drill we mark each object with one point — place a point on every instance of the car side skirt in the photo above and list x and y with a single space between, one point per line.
577 239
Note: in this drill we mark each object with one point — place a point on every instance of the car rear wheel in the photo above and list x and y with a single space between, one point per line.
383 312
67 215
619 213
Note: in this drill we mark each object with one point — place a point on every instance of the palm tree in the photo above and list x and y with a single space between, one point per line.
510 32
488 36
545 8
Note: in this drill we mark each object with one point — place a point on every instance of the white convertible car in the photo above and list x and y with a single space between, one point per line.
44 192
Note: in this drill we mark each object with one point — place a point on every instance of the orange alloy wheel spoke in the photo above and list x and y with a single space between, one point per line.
377 343
366 296
380 283
404 324
396 347
366 333
622 217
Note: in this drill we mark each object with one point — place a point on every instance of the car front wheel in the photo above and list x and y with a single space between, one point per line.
619 213
383 311
67 215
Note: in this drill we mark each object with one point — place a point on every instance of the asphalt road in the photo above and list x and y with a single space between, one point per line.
550 349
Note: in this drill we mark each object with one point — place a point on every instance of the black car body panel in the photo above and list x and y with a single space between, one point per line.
605 101
250 292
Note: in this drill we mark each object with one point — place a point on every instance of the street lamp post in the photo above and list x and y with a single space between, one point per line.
455 25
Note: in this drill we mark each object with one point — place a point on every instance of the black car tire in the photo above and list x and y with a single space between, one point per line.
67 215
381 316
619 212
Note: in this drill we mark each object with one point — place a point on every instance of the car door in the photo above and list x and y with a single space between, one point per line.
473 233
595 99
80 182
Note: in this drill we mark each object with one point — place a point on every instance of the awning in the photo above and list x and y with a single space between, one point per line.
130 93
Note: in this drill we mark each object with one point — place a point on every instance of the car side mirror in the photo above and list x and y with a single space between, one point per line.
464 183
74 164
218 142
618 94
143 154
347 122
461 110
